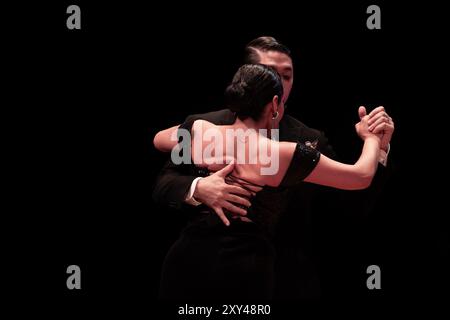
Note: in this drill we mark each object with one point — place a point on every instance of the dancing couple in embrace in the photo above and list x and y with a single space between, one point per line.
231 172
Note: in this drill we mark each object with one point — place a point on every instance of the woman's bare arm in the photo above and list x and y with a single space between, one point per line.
348 177
162 140
336 174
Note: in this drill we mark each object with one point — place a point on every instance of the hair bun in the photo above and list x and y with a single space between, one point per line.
235 95
252 88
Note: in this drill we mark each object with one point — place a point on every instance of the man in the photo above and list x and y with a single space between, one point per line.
175 188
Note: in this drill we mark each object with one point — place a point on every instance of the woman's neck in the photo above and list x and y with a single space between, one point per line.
248 123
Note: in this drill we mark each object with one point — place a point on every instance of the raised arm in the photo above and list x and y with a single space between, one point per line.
322 170
348 177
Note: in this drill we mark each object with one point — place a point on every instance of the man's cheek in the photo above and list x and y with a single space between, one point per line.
287 86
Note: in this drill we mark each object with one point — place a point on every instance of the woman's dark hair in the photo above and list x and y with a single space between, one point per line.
252 88
263 44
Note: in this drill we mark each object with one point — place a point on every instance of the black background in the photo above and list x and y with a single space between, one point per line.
86 103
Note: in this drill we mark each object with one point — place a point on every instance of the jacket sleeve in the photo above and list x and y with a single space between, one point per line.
172 185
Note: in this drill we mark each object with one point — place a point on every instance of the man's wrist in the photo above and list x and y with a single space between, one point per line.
384 155
386 148
190 195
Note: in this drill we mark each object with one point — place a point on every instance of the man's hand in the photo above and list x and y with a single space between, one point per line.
379 123
215 193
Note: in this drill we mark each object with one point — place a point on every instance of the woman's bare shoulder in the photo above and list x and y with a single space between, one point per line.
283 152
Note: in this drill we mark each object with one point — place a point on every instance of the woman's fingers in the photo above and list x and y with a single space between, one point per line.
376 110
379 121
380 128
377 116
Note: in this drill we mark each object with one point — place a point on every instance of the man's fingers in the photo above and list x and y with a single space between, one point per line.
226 170
234 209
362 112
378 122
238 200
222 216
376 110
238 190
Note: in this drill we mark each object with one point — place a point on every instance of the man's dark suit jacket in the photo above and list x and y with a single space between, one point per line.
295 236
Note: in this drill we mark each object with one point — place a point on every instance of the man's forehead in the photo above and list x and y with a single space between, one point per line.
279 66
276 59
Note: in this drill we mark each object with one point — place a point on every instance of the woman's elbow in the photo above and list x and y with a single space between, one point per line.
366 181
158 143
363 180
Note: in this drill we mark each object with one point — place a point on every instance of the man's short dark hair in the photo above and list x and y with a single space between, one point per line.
263 44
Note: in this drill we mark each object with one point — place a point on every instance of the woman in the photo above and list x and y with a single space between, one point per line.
211 261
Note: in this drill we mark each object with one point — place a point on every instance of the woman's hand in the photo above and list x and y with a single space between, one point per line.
362 128
381 122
